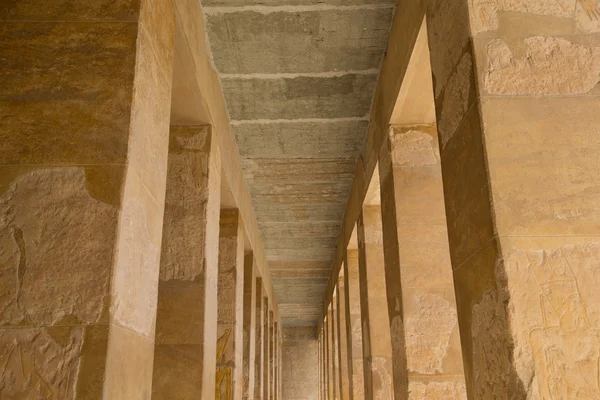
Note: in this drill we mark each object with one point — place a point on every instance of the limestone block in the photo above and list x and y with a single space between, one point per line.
40 362
448 36
458 97
67 10
137 260
56 249
466 190
437 391
186 205
76 111
132 355
538 65
542 157
431 329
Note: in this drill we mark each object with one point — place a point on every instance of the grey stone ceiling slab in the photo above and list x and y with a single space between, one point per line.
302 192
298 77
290 213
248 42
301 97
301 139
283 170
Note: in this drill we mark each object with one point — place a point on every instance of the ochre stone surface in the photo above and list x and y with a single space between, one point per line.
300 358
45 282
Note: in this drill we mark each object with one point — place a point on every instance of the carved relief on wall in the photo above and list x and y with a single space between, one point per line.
428 333
547 305
485 13
35 364
566 347
224 375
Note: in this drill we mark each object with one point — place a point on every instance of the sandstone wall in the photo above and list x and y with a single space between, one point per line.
300 373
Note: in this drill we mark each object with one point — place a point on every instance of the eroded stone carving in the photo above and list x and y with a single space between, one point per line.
484 13
437 391
382 378
224 370
34 364
546 66
428 334
56 246
414 148
587 15
185 208
566 348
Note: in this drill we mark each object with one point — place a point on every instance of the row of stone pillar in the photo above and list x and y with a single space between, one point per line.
123 273
384 336
474 271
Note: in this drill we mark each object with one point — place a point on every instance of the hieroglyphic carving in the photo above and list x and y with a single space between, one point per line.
428 333
591 9
35 364
566 353
484 13
56 245
224 369
382 378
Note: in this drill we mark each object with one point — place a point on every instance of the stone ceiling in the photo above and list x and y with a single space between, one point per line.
298 77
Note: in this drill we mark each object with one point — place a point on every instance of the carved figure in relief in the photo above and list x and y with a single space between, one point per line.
566 353
224 371
591 8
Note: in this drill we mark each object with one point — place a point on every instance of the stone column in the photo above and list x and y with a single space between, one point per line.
229 381
276 360
377 341
85 119
271 356
354 333
329 372
344 361
416 244
249 323
523 218
331 354
186 320
267 350
336 346
326 392
259 340
320 367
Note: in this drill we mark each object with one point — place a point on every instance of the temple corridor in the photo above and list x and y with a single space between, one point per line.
300 199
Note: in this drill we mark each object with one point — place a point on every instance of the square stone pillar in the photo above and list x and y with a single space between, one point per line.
325 361
186 329
344 357
328 346
249 324
259 341
355 349
331 353
85 108
335 356
515 83
416 244
271 356
320 363
276 360
229 377
267 350
377 341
